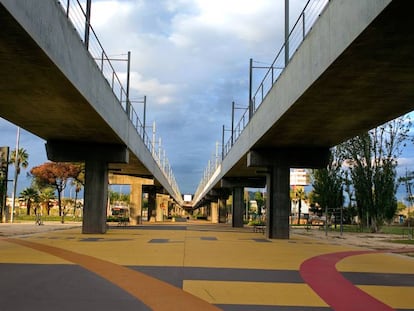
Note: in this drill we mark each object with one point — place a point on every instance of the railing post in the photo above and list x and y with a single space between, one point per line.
273 80
128 103
102 61
262 92
303 26
216 158
144 117
159 151
87 22
153 139
67 8
222 143
250 88
286 32
232 123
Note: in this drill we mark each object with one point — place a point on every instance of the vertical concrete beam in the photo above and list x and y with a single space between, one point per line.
278 163
206 210
136 184
152 198
96 196
96 158
135 209
214 212
222 210
162 201
278 202
238 207
159 215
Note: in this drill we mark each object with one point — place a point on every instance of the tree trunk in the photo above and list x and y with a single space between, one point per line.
28 205
59 202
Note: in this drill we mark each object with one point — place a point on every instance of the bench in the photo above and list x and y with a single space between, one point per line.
123 222
259 228
319 224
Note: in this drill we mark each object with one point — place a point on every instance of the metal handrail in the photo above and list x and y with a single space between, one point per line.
77 15
300 30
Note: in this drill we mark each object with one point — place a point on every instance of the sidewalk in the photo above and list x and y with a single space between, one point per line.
25 228
197 266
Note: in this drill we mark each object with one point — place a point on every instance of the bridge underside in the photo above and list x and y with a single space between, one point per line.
53 88
36 95
369 83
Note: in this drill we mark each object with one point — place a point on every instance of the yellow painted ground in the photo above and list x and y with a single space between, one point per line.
254 293
12 253
186 248
398 297
230 250
124 247
377 262
240 251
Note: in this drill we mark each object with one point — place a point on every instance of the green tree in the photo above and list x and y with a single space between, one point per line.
372 160
30 196
328 184
258 196
115 197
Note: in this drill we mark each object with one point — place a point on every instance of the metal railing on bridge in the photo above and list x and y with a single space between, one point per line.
79 15
297 34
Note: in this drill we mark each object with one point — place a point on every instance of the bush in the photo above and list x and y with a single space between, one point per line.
117 219
257 223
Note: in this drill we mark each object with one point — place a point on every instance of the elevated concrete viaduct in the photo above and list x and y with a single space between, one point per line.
353 71
52 87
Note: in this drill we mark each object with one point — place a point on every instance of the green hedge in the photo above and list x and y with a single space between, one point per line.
117 219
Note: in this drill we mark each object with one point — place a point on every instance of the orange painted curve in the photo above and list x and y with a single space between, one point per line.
139 285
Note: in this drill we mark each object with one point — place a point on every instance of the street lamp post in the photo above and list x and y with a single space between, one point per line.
16 165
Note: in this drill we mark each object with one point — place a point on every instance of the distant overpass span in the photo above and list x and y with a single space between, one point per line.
352 71
63 88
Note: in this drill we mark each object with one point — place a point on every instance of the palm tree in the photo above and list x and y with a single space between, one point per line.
29 195
22 157
78 187
46 195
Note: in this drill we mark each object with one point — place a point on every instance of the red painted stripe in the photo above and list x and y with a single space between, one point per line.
321 275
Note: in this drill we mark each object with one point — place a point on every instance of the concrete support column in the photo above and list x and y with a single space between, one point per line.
162 202
96 158
222 210
278 163
135 208
214 212
278 202
152 198
96 197
238 207
208 211
159 217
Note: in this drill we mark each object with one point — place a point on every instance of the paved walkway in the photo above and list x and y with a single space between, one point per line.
195 266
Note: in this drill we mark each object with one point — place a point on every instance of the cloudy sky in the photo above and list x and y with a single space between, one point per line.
191 59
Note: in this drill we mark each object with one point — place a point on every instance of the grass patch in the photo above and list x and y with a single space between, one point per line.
45 218
406 242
